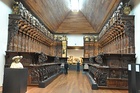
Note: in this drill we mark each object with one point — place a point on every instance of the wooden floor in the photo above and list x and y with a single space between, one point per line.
74 82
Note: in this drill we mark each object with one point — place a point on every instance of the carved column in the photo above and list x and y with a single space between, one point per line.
12 30
129 31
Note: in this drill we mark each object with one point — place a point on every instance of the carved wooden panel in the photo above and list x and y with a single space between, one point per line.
40 66
112 72
117 36
28 34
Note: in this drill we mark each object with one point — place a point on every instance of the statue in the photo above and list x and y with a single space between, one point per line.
16 62
16 8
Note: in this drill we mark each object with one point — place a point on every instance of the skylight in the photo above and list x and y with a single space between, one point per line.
75 5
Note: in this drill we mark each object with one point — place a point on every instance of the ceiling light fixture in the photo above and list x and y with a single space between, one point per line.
75 5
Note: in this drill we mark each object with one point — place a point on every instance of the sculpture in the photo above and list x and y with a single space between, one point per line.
16 62
16 8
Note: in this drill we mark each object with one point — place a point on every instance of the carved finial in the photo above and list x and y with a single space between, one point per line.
126 9
15 8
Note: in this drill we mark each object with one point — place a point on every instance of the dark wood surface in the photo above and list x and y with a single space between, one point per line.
110 70
15 80
41 67
26 34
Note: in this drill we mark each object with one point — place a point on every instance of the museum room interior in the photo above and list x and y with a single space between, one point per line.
70 46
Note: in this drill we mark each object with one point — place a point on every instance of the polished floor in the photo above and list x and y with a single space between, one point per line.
73 82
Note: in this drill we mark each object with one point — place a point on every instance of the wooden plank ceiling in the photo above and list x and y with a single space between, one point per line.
57 16
75 23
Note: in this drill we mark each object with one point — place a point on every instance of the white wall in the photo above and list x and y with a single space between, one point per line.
75 40
4 11
136 12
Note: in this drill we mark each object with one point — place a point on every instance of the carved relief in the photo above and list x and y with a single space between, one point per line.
102 79
124 74
13 28
42 58
99 59
129 30
115 74
35 36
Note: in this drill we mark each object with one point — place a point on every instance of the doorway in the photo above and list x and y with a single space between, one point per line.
75 55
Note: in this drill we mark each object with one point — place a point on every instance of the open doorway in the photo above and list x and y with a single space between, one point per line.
75 55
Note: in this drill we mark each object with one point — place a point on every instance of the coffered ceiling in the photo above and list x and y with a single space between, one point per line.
57 16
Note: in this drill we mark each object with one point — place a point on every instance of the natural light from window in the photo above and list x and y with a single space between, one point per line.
75 5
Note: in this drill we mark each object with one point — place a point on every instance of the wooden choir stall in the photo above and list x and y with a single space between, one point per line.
116 49
107 53
40 48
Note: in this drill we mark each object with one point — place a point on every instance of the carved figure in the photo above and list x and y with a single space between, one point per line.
113 74
15 8
16 62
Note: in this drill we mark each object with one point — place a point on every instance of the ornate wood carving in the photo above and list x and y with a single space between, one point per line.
13 28
90 46
112 73
117 36
40 66
28 34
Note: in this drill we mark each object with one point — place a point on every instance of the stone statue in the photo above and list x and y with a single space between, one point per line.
16 62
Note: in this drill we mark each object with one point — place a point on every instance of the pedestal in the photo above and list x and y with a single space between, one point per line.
15 80
137 78
132 78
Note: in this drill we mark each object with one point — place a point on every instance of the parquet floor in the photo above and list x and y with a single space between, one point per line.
74 82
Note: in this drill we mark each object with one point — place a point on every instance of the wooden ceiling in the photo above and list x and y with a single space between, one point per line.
57 16
75 23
